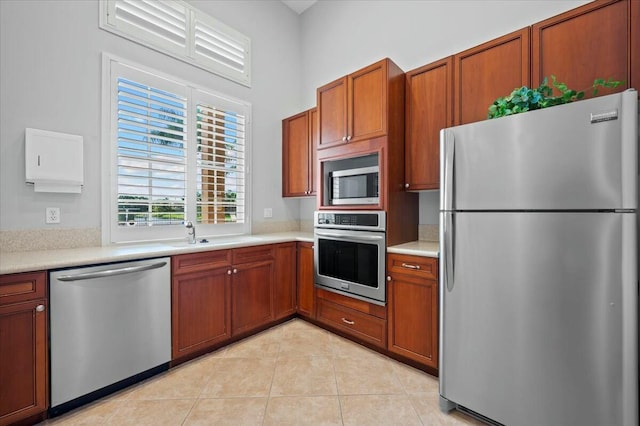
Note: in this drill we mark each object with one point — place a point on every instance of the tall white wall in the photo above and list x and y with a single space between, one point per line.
339 37
50 78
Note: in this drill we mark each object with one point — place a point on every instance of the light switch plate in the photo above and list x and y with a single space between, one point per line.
268 212
52 215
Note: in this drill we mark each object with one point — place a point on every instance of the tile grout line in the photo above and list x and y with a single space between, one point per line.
335 379
195 401
273 376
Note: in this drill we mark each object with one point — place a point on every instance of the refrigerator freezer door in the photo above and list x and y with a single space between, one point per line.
539 317
580 156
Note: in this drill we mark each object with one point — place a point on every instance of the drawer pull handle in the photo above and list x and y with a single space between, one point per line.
40 308
410 266
346 321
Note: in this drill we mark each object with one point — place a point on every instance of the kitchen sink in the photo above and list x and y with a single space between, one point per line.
217 241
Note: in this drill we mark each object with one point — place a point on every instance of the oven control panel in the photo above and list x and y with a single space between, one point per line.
374 220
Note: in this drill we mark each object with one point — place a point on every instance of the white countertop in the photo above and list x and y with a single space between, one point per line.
417 248
25 261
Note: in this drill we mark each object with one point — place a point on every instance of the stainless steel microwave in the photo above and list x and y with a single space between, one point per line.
354 186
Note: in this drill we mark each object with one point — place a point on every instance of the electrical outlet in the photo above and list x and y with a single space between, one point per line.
268 212
52 215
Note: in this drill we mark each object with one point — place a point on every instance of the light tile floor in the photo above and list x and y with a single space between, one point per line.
292 374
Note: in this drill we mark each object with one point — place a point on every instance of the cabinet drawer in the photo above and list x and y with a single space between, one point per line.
418 266
252 254
200 261
365 327
22 287
353 303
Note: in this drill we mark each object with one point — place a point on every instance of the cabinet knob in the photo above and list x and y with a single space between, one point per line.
406 185
344 138
229 272
235 271
389 278
39 308
348 138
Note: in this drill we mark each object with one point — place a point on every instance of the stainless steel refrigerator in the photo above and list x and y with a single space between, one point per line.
538 265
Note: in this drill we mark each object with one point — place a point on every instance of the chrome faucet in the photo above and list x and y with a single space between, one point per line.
191 232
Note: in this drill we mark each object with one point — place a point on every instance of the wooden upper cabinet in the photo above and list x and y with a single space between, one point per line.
367 102
429 108
355 107
298 154
313 147
488 71
585 43
332 113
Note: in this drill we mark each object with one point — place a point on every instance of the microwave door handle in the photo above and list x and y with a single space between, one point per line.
351 237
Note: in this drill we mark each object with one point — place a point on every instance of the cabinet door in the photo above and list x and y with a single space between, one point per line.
200 310
413 313
429 108
295 155
332 113
488 71
23 360
589 42
313 146
367 102
251 296
284 300
306 290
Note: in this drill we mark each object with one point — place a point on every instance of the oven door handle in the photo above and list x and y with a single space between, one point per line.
351 237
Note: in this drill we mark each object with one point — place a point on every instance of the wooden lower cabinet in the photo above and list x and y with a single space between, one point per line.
201 314
219 294
284 286
23 347
251 296
362 320
412 297
306 288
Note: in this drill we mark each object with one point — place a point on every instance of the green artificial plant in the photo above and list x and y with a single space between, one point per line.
526 99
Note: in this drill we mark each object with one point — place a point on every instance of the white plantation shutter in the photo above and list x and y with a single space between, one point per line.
176 28
154 21
178 154
221 48
221 160
151 157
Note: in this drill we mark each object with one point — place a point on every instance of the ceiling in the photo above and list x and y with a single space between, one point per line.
299 6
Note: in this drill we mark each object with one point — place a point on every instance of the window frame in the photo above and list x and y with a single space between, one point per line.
114 234
188 53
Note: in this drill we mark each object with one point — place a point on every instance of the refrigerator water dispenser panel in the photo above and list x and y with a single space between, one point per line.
54 161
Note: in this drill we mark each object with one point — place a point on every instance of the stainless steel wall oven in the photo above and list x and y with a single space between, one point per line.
350 253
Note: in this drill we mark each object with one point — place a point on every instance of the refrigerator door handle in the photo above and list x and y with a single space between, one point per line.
449 249
447 140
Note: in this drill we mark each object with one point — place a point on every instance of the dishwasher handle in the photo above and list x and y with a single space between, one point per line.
111 272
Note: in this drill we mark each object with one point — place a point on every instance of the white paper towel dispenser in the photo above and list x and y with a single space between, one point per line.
54 161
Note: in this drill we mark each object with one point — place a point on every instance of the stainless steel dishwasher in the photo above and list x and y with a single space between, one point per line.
110 327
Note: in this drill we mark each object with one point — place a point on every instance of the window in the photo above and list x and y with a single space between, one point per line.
175 153
182 31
